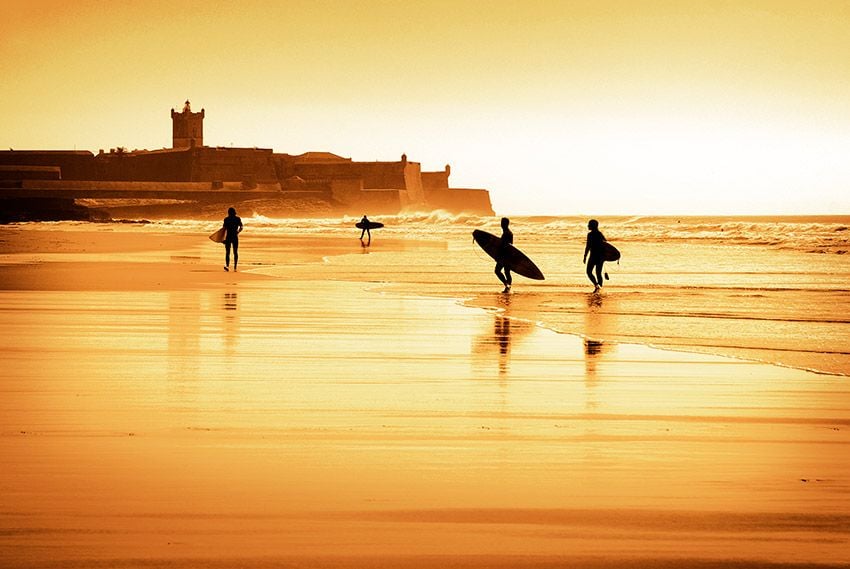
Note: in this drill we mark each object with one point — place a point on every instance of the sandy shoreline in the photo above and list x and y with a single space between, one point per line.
161 412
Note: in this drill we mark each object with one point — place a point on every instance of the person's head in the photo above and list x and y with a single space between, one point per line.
593 225
505 222
231 212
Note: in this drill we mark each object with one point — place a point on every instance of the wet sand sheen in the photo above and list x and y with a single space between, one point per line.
240 420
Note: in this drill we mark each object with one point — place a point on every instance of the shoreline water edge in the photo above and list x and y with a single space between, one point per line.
774 290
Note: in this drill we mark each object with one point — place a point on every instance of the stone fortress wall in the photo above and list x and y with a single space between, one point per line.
345 185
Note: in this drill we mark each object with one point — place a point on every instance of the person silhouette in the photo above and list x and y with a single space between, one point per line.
232 227
596 249
507 239
365 226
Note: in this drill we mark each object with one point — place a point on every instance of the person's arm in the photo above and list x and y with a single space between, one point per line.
239 229
586 249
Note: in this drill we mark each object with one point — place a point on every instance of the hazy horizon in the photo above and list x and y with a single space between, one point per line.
571 108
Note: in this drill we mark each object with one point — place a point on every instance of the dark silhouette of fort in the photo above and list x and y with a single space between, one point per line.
191 178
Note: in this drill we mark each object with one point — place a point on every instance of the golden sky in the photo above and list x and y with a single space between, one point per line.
569 107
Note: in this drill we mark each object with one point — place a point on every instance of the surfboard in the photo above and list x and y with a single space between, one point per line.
611 252
513 258
369 225
218 236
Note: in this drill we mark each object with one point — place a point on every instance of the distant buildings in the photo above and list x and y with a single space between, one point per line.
309 183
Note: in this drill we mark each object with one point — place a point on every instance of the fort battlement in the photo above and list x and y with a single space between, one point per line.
203 172
187 128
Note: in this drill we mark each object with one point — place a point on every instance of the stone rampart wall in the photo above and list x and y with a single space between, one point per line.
74 165
435 180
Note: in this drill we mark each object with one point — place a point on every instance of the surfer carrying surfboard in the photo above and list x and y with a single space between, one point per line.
507 239
507 256
232 227
364 225
596 248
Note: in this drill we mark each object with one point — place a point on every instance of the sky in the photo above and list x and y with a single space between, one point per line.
597 107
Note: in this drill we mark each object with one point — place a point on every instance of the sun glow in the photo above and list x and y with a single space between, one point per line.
555 107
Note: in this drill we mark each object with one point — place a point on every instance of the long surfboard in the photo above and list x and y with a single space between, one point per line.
611 252
219 235
369 225
510 256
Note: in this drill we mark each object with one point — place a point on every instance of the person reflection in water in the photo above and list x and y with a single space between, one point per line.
507 239
596 249
232 227
502 333
595 326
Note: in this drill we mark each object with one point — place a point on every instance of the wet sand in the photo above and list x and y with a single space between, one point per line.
158 412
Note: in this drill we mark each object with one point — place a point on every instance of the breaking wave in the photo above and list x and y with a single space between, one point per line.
816 235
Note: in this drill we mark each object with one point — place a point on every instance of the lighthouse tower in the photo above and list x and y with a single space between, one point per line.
187 128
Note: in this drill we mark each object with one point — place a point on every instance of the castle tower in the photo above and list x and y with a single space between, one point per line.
187 128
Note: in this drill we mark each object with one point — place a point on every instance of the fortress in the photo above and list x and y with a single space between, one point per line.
190 178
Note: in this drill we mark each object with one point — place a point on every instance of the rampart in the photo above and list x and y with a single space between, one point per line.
341 184
198 192
30 173
435 180
374 174
73 164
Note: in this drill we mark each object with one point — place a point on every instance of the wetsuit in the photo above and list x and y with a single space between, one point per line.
365 222
507 239
232 227
596 248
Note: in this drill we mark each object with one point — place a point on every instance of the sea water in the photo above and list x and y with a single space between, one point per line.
773 289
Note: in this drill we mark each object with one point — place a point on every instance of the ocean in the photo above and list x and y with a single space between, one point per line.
771 289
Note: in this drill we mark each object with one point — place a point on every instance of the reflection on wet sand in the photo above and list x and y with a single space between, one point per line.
502 334
505 332
231 322
595 328
230 301
595 348
592 350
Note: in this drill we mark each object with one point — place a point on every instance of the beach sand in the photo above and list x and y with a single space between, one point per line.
156 411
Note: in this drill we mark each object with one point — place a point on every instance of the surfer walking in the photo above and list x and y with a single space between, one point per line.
232 227
507 239
595 248
364 223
